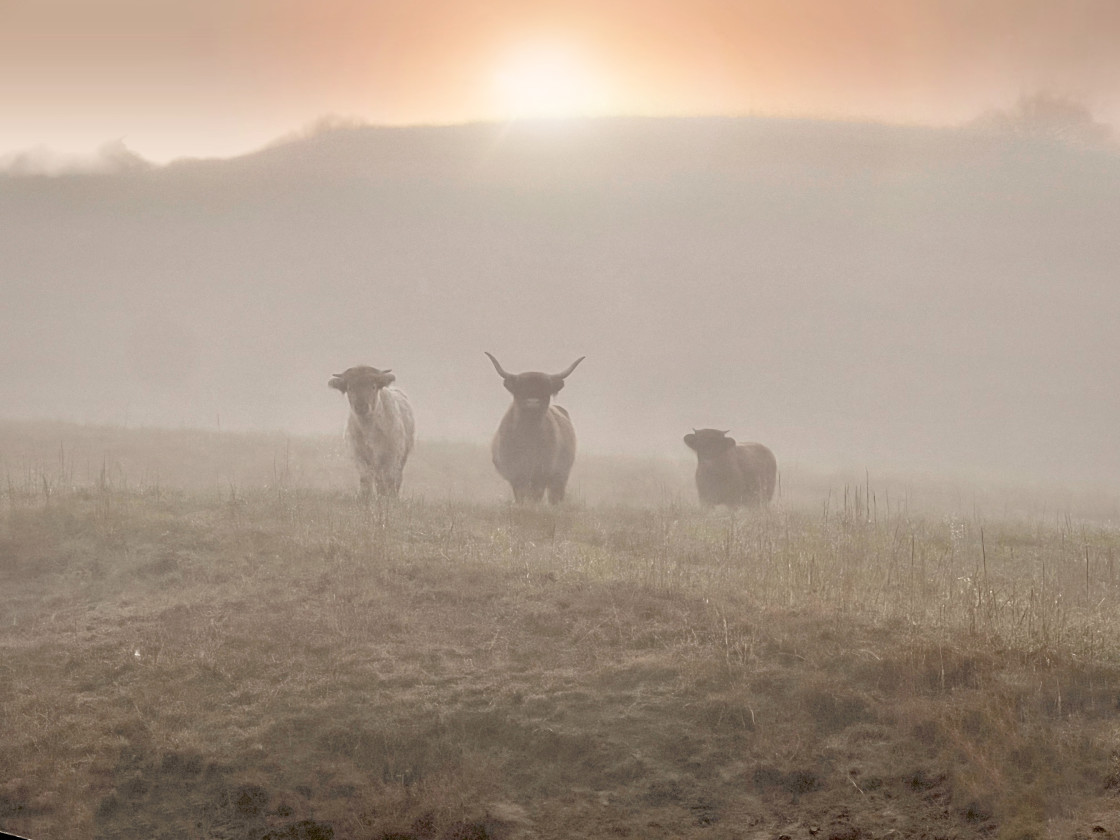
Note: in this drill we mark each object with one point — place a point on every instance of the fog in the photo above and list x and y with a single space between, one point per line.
850 294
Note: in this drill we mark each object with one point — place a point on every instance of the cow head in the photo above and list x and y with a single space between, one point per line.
362 385
709 443
532 391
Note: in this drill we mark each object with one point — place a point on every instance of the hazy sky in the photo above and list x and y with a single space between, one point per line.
175 78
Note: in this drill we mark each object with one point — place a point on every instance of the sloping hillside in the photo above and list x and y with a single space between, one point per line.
209 638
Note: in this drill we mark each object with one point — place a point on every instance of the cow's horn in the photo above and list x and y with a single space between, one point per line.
570 368
502 373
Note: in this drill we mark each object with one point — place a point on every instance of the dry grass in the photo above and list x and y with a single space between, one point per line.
258 656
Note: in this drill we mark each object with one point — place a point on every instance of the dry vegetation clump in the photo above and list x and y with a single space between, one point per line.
277 661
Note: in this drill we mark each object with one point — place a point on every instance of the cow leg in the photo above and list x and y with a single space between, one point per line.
385 486
527 492
536 491
753 493
556 492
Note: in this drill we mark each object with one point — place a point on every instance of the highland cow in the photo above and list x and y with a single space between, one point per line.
731 474
535 445
381 428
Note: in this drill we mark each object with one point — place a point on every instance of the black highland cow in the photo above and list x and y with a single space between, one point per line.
731 474
535 445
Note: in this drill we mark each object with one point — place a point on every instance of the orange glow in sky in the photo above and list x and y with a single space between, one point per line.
175 78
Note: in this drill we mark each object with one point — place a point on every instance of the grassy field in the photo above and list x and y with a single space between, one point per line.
204 635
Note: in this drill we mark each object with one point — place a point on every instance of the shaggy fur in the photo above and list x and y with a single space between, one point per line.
732 474
381 428
535 445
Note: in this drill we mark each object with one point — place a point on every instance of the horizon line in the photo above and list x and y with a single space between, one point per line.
114 155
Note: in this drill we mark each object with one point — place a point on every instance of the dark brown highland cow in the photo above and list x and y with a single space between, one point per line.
535 445
732 474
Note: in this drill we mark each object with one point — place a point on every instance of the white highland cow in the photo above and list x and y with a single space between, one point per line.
381 429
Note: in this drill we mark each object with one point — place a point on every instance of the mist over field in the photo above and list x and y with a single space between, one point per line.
851 294
203 634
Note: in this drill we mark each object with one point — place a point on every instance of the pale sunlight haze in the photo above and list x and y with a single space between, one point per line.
551 81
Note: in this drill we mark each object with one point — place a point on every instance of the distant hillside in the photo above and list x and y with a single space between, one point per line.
860 294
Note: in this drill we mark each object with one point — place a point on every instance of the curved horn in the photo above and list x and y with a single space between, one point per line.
570 368
725 432
502 373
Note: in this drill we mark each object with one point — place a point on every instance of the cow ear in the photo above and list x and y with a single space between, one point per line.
387 379
557 383
726 443
690 440
338 383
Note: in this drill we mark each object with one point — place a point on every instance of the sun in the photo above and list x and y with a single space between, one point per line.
545 81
